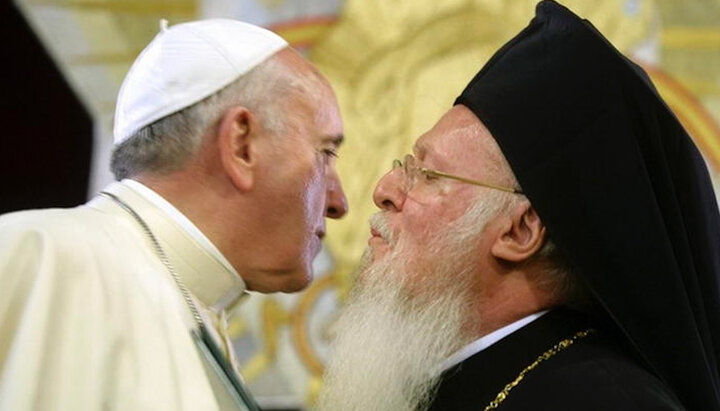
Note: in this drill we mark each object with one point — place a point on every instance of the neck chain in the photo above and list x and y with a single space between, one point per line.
544 356
201 335
163 257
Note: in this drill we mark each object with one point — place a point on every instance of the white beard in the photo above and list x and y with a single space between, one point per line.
398 326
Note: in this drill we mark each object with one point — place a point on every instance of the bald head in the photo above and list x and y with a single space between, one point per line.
460 120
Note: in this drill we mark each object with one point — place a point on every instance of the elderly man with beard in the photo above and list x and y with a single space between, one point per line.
551 244
225 146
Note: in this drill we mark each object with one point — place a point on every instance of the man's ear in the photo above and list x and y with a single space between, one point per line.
236 132
521 236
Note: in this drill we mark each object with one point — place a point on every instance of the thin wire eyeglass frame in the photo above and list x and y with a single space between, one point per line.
409 168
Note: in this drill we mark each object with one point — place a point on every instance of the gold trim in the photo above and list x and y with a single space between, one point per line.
273 318
562 345
698 122
691 38
702 87
300 320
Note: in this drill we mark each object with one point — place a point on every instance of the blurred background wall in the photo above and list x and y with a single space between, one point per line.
396 67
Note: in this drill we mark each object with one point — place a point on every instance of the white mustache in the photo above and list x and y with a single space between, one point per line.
379 223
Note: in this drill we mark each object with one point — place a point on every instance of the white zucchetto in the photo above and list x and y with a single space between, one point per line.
186 63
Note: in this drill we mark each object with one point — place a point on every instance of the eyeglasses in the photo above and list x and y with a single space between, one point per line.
412 172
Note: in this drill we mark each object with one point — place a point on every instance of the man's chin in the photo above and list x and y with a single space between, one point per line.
287 281
298 282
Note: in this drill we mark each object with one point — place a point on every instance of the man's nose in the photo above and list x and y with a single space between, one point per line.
336 205
389 194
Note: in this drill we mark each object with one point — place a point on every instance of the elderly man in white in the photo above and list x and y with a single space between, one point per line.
225 146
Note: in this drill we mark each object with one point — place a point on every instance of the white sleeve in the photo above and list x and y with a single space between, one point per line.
55 340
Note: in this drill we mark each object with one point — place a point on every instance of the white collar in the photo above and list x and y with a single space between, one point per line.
179 218
205 271
488 340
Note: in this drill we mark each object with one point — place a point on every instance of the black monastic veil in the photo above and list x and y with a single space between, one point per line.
620 186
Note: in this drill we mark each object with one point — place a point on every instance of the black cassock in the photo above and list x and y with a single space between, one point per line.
594 373
625 196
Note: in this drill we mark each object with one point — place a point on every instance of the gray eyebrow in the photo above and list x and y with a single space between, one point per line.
337 140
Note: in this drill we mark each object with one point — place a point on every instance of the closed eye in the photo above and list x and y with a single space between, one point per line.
330 152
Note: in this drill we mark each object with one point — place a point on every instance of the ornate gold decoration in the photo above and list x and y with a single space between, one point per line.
302 340
237 327
690 50
690 112
273 317
692 38
562 345
303 343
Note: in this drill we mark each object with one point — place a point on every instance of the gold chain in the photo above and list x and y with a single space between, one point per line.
544 356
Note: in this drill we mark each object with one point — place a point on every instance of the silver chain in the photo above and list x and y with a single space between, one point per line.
227 369
163 257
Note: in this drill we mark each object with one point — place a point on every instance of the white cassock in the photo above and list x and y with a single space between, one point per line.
91 319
